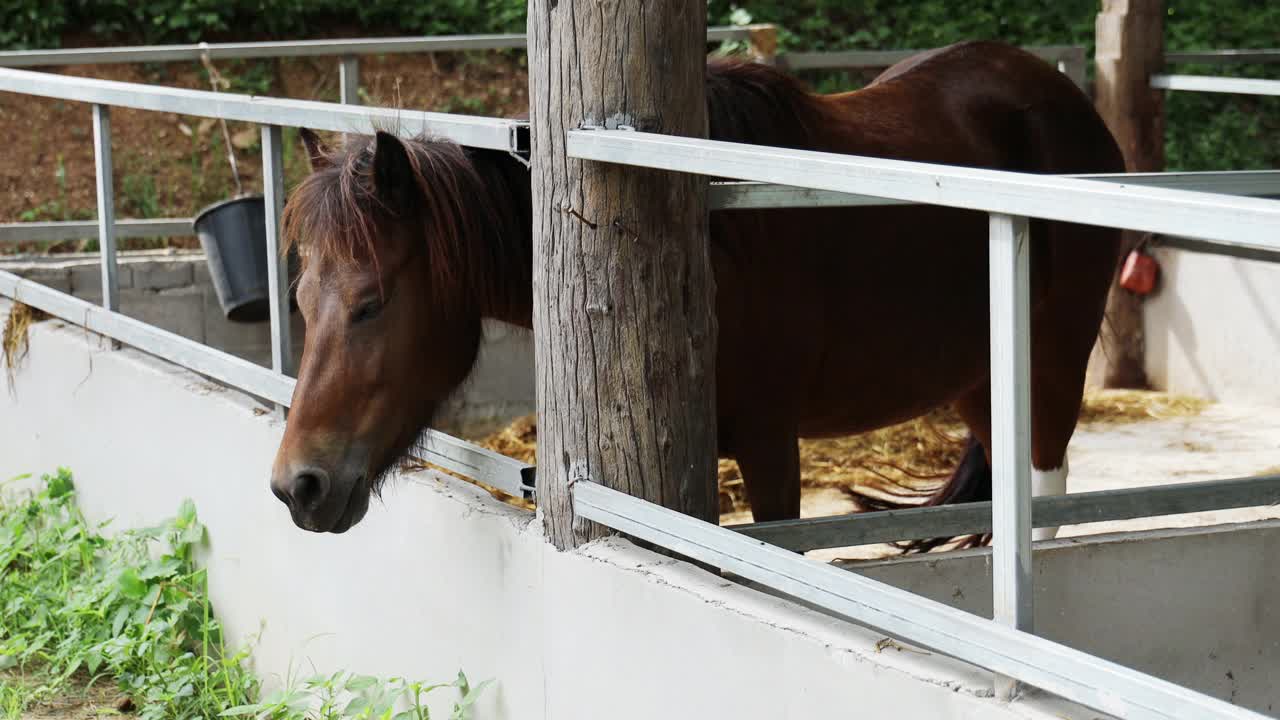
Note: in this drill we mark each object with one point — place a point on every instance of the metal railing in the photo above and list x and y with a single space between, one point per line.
1011 199
1005 646
273 385
1209 83
1069 673
1218 84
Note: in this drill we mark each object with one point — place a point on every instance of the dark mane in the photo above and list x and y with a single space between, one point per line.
335 213
753 103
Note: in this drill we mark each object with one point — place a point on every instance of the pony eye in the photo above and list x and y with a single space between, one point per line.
366 311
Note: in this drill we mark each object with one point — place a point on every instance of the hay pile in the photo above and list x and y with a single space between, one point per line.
14 337
904 462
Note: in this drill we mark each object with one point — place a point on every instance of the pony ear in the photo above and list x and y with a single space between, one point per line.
392 171
316 150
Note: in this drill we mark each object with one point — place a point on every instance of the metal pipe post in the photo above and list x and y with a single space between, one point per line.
1010 427
349 80
277 266
106 209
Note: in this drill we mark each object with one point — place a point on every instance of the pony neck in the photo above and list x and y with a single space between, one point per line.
510 238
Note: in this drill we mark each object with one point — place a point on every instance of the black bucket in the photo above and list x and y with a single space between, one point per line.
233 234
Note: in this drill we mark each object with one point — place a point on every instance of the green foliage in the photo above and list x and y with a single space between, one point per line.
345 695
140 197
31 24
134 608
59 209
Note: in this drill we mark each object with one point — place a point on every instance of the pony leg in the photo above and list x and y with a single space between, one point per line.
1053 412
768 455
1052 424
1048 482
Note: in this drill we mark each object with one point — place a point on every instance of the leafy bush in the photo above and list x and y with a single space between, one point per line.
134 608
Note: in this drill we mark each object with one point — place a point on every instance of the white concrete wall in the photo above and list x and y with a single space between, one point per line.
439 576
1195 606
1213 328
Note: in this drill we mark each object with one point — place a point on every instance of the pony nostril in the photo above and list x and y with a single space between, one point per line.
307 489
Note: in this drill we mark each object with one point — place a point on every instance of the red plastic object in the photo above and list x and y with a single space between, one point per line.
1139 273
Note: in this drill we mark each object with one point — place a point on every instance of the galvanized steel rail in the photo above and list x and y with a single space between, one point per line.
493 133
75 230
1052 511
1233 220
1224 57
1209 83
758 195
291 48
1063 671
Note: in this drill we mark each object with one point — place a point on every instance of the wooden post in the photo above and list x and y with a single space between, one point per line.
1130 48
624 331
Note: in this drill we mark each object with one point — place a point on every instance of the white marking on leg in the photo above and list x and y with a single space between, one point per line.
1048 482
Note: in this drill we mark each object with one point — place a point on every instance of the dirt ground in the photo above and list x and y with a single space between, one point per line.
173 165
81 701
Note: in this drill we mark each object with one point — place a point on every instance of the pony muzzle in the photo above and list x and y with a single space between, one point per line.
320 501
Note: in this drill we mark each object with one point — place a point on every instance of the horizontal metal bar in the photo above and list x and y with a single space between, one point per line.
504 473
1071 674
1229 219
764 196
1209 83
479 463
1208 248
494 133
75 230
1224 57
854 59
295 48
759 196
232 370
1048 511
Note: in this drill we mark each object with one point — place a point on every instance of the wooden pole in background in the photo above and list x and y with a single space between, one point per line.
1130 48
624 331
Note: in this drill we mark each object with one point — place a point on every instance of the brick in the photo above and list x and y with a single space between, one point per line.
58 278
86 279
200 274
162 275
180 311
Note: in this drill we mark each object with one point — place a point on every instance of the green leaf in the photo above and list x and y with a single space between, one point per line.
186 513
131 584
164 567
361 682
117 623
240 710
192 535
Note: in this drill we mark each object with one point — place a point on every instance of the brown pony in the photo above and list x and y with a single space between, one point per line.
832 321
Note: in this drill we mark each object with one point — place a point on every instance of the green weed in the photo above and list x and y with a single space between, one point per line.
59 208
133 609
140 197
